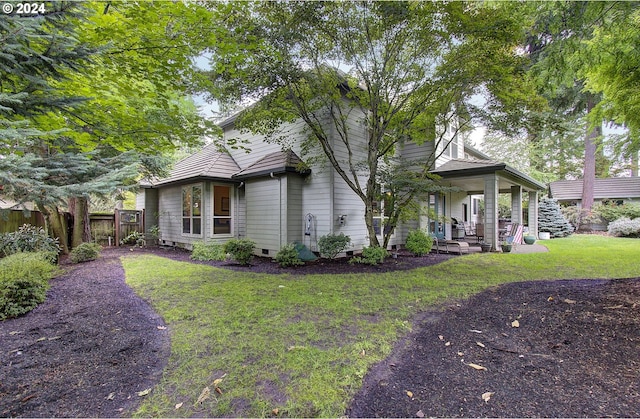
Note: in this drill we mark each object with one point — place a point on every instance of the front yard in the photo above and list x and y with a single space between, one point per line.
245 344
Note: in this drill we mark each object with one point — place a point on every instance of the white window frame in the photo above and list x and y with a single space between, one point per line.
215 217
191 217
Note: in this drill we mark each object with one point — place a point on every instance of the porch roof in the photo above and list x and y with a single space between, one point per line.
208 163
276 163
468 175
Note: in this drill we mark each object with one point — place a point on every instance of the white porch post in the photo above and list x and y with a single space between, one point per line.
533 213
491 191
516 204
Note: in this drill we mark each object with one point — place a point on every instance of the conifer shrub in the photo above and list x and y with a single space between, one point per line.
551 219
418 242
24 281
240 249
208 251
288 256
85 252
332 244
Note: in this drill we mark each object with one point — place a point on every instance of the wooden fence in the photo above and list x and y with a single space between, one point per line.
12 220
106 229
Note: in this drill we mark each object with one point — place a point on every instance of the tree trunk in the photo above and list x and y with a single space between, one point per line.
590 150
81 225
57 226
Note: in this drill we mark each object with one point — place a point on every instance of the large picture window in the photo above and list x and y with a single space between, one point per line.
222 209
192 210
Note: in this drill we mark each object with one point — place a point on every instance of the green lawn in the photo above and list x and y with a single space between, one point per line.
302 344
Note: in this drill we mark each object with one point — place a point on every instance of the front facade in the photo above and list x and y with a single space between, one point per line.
269 196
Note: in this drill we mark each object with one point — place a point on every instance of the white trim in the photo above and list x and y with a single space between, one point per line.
191 217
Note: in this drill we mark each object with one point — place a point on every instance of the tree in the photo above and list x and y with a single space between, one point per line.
408 70
558 45
102 99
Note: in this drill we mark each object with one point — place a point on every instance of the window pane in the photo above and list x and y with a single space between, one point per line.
186 225
186 202
222 202
376 225
222 226
197 201
196 226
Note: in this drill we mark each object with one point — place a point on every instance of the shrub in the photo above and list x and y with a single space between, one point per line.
28 238
625 227
551 220
418 242
135 238
24 281
208 251
371 256
288 256
332 244
241 250
85 252
611 211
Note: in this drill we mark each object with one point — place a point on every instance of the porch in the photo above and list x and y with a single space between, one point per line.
489 179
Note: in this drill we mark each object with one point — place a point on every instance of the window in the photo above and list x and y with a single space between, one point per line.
221 209
381 212
192 210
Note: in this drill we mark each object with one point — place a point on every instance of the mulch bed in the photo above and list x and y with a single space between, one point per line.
575 353
93 345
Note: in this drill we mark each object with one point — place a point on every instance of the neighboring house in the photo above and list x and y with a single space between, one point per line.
619 190
271 197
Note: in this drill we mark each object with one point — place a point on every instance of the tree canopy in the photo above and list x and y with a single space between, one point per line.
91 95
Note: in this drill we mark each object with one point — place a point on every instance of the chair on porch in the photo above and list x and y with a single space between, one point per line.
469 229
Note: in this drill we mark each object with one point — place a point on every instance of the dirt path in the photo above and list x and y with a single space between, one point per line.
86 351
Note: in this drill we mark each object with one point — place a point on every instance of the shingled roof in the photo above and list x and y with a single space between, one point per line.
610 188
208 163
276 163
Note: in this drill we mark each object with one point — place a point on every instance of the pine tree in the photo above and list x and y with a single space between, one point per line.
551 219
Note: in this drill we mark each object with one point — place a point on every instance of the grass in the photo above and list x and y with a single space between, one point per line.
302 345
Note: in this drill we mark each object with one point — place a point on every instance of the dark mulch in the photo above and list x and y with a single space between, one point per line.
576 353
86 351
93 345
403 261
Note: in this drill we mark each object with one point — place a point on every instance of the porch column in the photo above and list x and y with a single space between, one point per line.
491 190
516 204
533 213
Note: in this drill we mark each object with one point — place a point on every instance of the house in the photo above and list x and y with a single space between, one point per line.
619 190
270 196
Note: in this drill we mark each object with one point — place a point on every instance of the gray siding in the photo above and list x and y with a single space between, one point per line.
263 197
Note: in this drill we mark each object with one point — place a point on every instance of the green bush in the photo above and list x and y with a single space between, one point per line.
612 211
371 256
135 238
24 281
240 249
85 252
332 244
624 227
288 256
28 238
208 251
418 242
